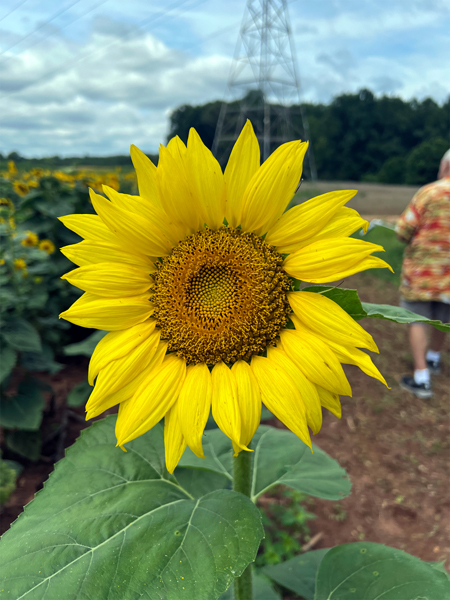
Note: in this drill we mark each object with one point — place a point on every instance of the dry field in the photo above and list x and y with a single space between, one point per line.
372 199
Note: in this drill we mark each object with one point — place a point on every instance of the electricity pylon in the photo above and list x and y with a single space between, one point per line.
263 84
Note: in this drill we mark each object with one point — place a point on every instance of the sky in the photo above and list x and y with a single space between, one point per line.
91 77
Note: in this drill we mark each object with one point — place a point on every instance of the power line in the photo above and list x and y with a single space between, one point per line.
55 16
66 64
13 9
54 32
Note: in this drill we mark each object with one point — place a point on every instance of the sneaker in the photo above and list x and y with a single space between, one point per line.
421 390
434 366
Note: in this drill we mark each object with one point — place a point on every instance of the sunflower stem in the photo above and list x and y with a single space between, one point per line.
242 482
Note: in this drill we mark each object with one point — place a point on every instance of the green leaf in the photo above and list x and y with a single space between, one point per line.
399 315
42 362
111 525
86 347
8 358
373 571
280 457
299 573
262 590
7 481
23 411
79 394
25 443
21 335
347 299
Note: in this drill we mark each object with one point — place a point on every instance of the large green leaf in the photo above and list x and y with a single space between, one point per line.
262 590
21 335
280 457
299 573
375 572
24 410
110 525
399 315
347 299
8 358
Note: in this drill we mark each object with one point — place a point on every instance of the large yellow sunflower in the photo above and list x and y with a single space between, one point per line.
193 281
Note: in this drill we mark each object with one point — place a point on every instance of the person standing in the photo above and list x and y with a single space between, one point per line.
425 282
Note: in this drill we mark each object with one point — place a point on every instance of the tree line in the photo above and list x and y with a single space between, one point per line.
357 137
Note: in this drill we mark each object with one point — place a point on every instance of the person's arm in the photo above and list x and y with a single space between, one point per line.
408 222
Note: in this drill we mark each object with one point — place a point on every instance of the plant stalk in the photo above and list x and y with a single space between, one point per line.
242 482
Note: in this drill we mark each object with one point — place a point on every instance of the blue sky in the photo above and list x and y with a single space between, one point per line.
93 76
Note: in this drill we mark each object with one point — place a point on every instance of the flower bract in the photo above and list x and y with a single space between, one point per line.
194 282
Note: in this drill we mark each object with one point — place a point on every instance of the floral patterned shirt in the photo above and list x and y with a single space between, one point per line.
425 226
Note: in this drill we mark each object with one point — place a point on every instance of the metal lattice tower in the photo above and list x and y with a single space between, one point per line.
263 84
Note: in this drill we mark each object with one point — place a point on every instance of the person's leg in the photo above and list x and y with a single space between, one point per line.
418 341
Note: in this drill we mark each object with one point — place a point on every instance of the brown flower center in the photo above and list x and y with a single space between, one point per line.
220 295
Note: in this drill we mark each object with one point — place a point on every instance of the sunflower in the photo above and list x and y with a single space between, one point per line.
193 280
31 239
47 245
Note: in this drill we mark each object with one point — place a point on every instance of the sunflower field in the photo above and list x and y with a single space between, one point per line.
216 343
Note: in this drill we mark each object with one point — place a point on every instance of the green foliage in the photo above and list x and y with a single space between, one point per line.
79 394
24 409
285 521
423 161
299 573
262 590
27 444
357 137
110 524
86 347
7 481
371 571
280 457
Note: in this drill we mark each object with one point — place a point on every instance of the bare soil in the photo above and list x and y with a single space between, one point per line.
395 447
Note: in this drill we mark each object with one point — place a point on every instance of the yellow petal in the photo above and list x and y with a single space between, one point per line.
194 405
325 317
109 314
307 389
307 219
353 356
89 227
128 391
315 359
133 230
243 163
146 175
153 213
117 344
177 149
330 401
174 442
118 373
332 259
225 405
111 280
178 197
249 400
207 179
89 253
272 187
281 396
151 401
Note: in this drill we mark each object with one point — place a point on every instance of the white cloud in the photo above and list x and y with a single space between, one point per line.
97 88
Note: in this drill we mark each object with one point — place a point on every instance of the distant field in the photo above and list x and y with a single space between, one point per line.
374 199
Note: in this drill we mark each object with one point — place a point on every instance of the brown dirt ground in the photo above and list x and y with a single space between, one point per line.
394 446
